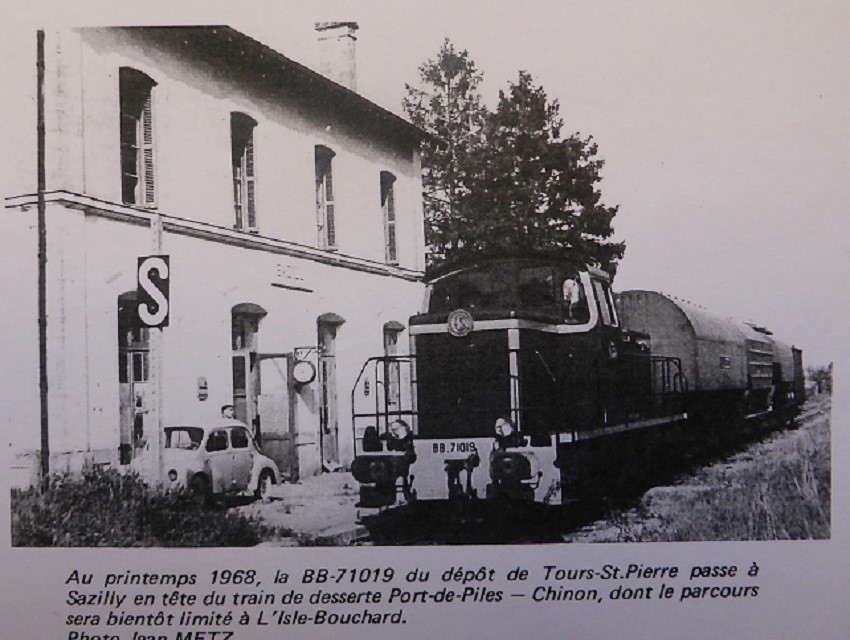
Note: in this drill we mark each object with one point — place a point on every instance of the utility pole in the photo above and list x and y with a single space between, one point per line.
155 374
42 261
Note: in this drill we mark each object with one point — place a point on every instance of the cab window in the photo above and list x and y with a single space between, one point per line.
613 306
574 299
537 287
217 440
492 288
239 438
606 303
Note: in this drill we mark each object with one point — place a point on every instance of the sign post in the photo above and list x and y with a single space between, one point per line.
153 312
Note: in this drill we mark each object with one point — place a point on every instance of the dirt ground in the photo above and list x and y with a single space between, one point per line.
318 510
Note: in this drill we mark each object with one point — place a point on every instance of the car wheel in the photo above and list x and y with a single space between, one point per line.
264 485
199 487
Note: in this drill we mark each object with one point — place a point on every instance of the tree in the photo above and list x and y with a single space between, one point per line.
537 189
822 376
506 180
447 105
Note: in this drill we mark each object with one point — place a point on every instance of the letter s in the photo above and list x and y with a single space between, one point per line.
148 265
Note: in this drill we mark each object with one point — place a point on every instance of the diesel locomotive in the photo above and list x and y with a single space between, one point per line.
528 379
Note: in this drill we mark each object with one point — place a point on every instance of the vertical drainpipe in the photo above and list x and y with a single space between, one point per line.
42 260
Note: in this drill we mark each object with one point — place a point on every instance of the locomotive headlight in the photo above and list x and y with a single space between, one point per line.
504 427
399 429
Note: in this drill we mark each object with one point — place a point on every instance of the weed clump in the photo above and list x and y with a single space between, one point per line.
110 509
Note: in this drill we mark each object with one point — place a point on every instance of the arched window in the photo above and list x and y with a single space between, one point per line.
388 208
325 214
137 152
242 158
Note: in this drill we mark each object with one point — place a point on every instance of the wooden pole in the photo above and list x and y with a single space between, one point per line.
42 261
155 377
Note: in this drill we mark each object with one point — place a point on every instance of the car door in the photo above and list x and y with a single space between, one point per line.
219 460
242 456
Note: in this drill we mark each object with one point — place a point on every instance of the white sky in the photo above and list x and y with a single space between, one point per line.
725 126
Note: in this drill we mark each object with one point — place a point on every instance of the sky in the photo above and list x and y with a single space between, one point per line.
725 126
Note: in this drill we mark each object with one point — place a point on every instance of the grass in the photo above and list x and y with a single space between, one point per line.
100 508
779 489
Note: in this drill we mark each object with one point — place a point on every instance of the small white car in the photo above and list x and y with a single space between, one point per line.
215 459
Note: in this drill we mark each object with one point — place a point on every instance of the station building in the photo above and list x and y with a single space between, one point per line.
288 205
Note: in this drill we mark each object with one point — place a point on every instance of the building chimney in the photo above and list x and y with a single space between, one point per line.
336 52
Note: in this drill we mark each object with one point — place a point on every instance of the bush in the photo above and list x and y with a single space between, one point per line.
110 509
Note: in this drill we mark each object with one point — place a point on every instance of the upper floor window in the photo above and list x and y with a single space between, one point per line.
325 198
137 161
388 207
242 158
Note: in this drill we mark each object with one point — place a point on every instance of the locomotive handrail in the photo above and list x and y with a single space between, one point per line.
378 414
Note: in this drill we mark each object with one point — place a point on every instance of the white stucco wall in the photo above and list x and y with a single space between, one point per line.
192 105
94 242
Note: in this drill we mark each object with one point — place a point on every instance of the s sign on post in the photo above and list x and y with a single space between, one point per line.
153 312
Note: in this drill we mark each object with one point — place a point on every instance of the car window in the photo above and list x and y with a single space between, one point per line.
239 438
217 440
183 437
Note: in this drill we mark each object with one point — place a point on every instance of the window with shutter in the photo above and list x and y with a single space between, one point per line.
388 207
138 185
242 158
325 214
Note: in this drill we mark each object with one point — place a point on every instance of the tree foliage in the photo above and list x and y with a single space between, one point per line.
506 180
448 106
822 376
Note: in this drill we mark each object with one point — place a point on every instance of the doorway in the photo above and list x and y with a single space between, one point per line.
133 376
328 326
245 366
277 410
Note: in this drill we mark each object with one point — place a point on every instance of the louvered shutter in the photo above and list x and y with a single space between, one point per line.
392 251
388 204
147 186
330 226
249 181
325 220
